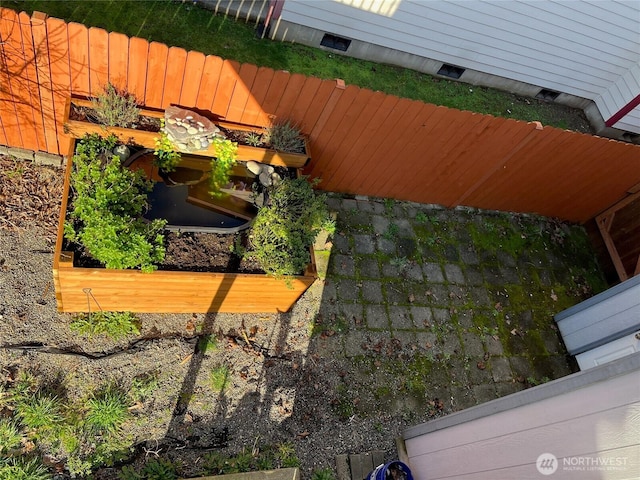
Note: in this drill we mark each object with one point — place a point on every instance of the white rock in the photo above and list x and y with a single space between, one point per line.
254 167
192 130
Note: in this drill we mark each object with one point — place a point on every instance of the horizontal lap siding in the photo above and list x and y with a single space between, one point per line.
574 47
601 417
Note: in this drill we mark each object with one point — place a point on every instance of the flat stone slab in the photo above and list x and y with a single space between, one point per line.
357 466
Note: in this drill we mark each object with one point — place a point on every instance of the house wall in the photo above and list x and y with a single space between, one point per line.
583 419
588 50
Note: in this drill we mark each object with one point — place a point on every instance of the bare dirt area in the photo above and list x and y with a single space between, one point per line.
280 380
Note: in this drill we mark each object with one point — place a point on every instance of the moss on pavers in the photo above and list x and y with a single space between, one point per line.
455 304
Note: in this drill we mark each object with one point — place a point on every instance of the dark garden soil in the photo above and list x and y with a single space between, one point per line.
192 252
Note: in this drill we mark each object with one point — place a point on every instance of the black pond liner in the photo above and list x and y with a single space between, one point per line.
169 202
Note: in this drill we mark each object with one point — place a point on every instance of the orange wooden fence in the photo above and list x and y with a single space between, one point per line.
362 142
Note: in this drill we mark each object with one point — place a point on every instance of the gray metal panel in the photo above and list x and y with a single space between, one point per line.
607 316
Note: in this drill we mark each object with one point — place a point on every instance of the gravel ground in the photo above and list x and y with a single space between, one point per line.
282 384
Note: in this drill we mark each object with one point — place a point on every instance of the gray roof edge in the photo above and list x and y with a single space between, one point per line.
554 388
610 292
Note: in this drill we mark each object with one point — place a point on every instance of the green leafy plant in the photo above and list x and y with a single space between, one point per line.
115 325
323 474
142 387
107 411
22 468
167 157
218 378
287 455
221 166
285 137
254 139
10 436
208 343
40 411
114 108
391 232
159 470
284 229
107 206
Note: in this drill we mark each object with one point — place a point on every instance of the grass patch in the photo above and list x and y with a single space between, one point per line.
218 378
188 26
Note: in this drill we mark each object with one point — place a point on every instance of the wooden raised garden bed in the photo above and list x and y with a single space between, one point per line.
80 289
78 128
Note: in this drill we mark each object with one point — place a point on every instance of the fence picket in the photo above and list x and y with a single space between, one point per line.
29 75
98 60
137 64
8 103
258 116
60 73
209 82
79 59
224 91
156 68
242 102
43 72
118 60
192 79
174 75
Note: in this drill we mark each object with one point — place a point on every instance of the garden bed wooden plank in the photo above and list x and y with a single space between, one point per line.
84 289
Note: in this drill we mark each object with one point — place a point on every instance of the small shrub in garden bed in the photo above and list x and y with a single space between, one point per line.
107 206
113 108
285 228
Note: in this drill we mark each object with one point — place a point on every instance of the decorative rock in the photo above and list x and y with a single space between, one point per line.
254 167
276 178
270 169
188 130
265 179
122 151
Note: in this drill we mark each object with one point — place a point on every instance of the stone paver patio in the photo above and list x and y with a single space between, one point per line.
451 307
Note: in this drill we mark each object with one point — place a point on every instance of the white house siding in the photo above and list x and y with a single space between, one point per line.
582 48
572 418
625 88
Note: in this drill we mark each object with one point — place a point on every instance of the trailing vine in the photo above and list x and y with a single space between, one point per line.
221 166
167 157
